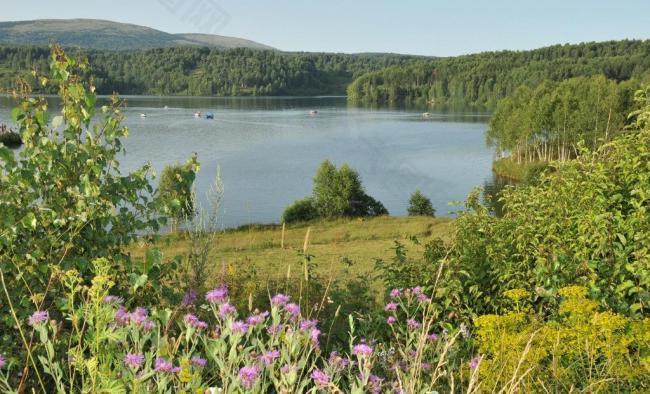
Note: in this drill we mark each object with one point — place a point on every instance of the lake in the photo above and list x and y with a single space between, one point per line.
268 149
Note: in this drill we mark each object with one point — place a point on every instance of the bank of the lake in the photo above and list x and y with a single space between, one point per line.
510 169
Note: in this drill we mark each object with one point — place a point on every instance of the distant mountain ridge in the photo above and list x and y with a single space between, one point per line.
108 35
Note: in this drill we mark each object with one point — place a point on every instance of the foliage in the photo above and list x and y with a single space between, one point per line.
549 122
580 349
420 205
194 71
336 193
10 139
485 78
109 348
585 222
176 188
302 210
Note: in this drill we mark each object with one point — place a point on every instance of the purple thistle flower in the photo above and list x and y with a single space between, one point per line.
279 299
218 295
375 384
313 337
189 298
122 316
111 299
274 329
362 350
239 327
226 310
292 309
474 363
268 357
38 318
255 320
417 290
162 365
3 361
308 324
395 293
198 361
423 298
391 320
390 307
413 324
139 316
432 337
286 369
248 376
321 379
194 321
133 360
338 362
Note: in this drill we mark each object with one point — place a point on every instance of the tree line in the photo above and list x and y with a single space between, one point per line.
485 78
551 121
205 72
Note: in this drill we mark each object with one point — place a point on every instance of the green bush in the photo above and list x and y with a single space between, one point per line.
420 205
175 191
300 211
10 139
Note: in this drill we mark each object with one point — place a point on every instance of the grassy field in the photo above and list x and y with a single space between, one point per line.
332 243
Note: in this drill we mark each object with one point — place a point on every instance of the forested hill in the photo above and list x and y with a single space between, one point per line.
206 72
487 77
101 34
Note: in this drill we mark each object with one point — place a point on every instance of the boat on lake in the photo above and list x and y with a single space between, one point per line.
143 115
209 116
197 114
313 112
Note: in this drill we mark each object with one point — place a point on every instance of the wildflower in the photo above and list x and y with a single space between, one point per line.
198 361
362 350
417 290
268 357
390 307
313 337
239 327
147 325
286 369
375 384
391 320
423 298
122 316
226 310
248 376
432 337
38 318
426 366
413 324
308 324
395 293
193 321
279 299
218 295
338 362
274 329
162 365
133 360
292 309
474 363
255 320
111 299
3 361
321 379
139 316
189 297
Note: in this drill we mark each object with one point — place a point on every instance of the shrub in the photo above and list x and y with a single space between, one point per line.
10 139
300 211
420 205
580 349
176 189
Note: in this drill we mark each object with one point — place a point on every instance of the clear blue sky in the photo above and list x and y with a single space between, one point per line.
433 27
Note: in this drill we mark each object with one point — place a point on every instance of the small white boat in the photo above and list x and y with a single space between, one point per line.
143 115
313 113
197 114
426 115
166 107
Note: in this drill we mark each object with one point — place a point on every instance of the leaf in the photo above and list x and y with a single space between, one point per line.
16 114
57 121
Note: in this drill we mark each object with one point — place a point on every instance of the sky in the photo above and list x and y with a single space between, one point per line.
432 28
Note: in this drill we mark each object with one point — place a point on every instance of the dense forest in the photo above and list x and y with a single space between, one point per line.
485 78
550 121
196 71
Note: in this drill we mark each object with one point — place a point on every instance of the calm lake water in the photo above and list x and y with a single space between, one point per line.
268 149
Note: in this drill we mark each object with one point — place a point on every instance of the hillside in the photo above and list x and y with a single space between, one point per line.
101 34
485 78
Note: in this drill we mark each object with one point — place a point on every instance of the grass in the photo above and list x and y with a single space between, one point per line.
332 243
